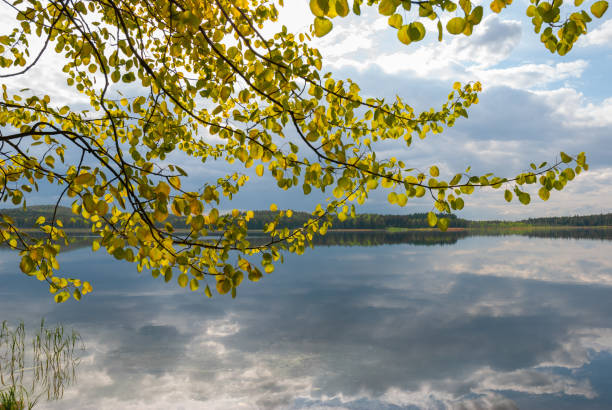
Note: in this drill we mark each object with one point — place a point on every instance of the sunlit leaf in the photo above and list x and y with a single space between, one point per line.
432 219
322 26
455 25
599 8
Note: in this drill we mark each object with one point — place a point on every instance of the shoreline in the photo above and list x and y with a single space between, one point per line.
390 229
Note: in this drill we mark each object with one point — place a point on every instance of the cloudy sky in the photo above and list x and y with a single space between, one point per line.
534 105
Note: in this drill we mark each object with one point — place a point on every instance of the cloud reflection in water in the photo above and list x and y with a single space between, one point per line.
406 326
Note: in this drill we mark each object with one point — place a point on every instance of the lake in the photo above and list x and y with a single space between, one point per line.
459 322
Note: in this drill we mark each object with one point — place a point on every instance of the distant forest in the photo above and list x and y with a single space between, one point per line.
27 219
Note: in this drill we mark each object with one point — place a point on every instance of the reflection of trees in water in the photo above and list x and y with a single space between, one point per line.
76 241
428 238
375 238
603 233
28 375
412 237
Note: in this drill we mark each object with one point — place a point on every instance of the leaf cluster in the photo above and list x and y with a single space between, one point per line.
559 35
199 81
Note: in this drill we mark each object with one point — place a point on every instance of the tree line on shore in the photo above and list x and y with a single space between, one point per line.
29 218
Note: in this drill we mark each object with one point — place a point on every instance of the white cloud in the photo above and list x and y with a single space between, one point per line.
492 43
575 110
446 64
460 58
346 40
367 40
532 381
529 76
598 37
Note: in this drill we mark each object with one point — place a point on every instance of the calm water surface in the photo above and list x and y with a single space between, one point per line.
505 322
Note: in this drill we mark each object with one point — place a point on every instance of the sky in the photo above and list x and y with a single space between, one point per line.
534 105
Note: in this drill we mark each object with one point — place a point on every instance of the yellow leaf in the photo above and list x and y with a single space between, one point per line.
319 8
61 297
175 182
163 188
182 280
432 219
26 265
223 285
194 284
455 25
83 179
322 26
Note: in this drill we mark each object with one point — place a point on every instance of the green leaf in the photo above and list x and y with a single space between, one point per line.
565 158
599 8
455 25
432 219
194 284
342 8
425 10
459 204
255 275
416 31
508 195
223 286
395 21
387 7
403 35
322 26
443 224
319 7
183 279
476 15
26 265
434 171
544 194
62 297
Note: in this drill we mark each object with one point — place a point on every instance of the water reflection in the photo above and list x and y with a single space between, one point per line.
507 322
